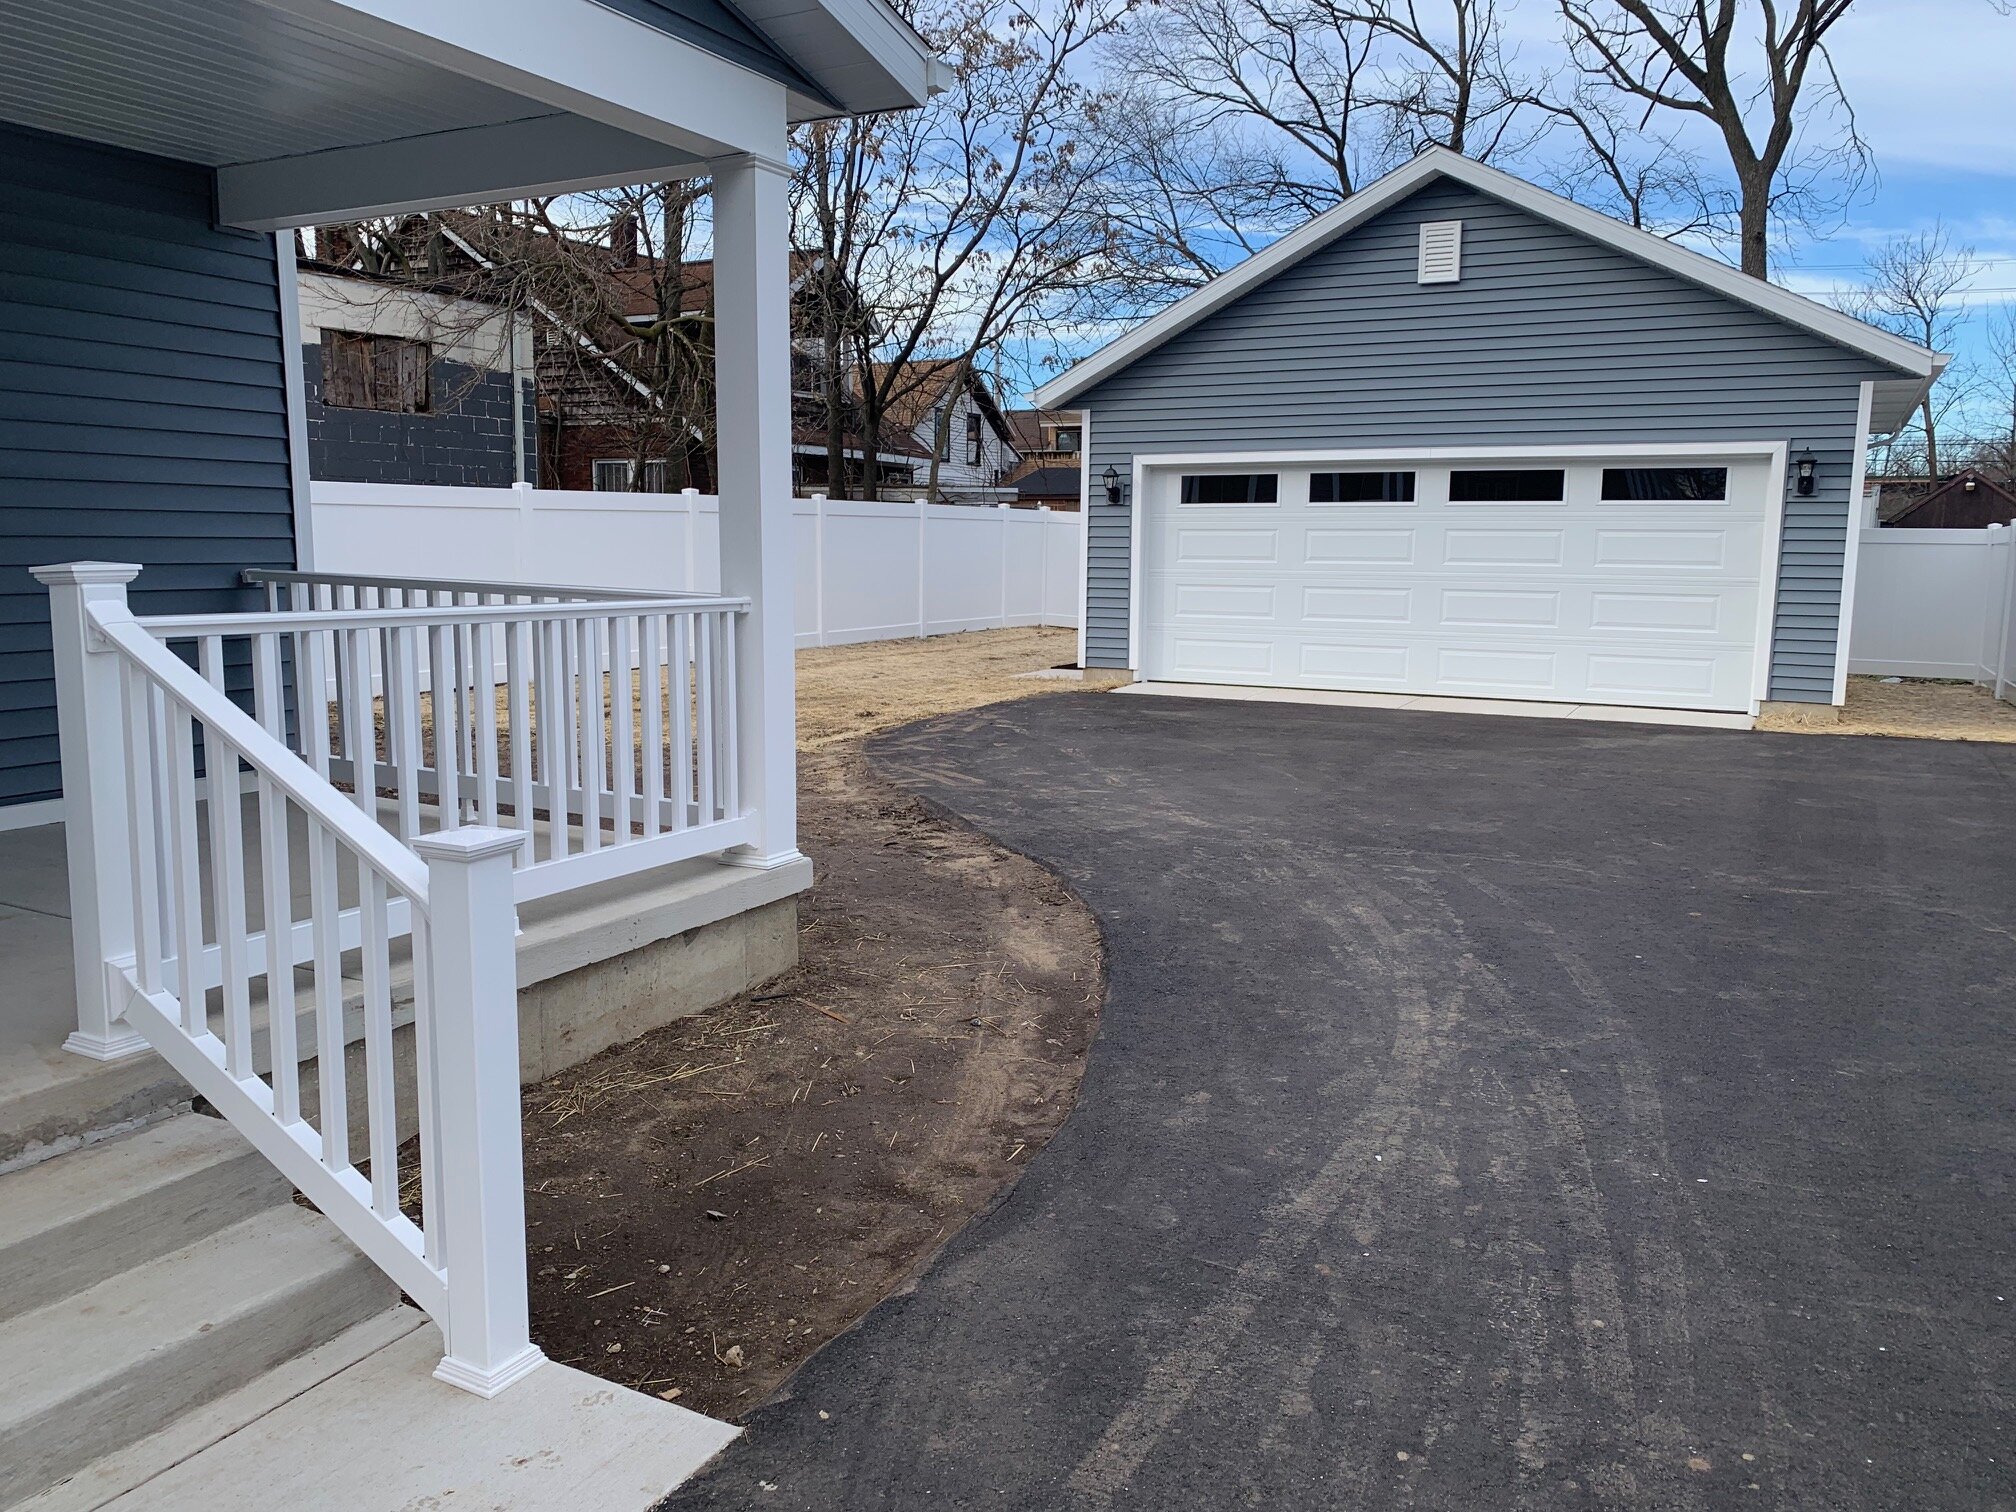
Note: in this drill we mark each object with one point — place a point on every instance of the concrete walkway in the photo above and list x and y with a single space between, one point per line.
1488 1113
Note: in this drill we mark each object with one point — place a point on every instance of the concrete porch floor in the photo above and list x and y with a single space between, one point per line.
51 1099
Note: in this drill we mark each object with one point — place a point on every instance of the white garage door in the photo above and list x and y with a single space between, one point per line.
1627 581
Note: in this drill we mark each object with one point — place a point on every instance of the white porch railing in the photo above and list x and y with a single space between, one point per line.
603 725
192 813
291 830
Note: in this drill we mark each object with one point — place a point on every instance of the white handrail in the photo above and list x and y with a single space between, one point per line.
260 576
264 753
180 814
293 621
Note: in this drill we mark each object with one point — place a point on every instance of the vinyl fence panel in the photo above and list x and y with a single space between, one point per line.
866 569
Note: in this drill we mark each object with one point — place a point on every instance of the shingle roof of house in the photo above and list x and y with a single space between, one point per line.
1049 483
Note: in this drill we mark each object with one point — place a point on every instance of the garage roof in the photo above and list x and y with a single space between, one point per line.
1917 367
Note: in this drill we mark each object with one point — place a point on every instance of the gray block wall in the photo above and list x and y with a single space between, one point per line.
466 441
143 410
1548 338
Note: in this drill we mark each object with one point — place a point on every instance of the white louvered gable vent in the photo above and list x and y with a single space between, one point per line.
1441 252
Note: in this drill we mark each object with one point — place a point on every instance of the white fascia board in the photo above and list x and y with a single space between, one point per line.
1437 162
861 51
442 170
579 57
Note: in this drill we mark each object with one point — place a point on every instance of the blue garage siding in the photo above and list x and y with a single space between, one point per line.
1547 339
143 412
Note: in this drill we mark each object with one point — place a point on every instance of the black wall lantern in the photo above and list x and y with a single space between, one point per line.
1803 471
1111 478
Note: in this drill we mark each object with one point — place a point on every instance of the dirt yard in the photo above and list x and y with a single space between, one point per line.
710 1204
1917 707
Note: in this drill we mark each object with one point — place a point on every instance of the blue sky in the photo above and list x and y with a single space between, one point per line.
1933 85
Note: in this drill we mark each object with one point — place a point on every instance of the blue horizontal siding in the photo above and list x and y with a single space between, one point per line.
1547 339
143 412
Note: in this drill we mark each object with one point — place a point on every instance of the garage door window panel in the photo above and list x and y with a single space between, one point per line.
1508 485
1361 488
1665 484
1231 488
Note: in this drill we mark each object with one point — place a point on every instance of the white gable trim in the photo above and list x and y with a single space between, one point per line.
1438 162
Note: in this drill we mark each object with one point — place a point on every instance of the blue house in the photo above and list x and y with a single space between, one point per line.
348 857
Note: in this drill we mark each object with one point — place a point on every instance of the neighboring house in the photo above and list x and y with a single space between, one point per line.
404 385
1049 487
1045 439
931 409
292 845
1461 436
1967 501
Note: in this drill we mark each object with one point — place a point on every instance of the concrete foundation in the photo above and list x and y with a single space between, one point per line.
1780 714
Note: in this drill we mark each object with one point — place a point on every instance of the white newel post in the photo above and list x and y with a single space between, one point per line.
473 1033
752 366
91 731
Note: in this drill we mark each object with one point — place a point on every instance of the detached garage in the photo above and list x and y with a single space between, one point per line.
1462 437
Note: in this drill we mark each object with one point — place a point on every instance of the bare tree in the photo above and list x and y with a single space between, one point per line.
1649 181
946 232
1917 289
1998 392
1694 57
623 310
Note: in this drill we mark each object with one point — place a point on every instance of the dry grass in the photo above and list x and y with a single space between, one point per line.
1918 708
846 692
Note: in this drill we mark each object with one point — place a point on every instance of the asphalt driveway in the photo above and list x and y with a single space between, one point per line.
1487 1113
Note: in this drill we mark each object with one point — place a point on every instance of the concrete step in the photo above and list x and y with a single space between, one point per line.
385 1436
130 1469
101 1369
72 1222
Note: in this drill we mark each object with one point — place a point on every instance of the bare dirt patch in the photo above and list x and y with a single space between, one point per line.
710 1204
1917 707
845 692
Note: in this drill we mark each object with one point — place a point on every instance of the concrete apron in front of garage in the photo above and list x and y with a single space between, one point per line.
1486 1113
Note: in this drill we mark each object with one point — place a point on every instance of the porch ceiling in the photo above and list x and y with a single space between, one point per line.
317 110
223 81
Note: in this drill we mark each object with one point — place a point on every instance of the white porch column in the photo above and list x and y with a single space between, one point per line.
752 367
91 731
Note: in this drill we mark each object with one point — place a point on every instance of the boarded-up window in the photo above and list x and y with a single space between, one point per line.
362 371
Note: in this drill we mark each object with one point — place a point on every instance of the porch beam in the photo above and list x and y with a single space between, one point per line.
752 422
576 56
444 169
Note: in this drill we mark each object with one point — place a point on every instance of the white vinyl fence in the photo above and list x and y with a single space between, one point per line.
1936 603
866 570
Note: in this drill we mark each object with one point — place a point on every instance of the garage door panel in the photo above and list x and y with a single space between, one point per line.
1482 668
1253 601
1674 613
1201 654
1357 545
1357 604
1205 547
1468 547
1633 602
1502 607
1695 548
1364 664
1630 679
